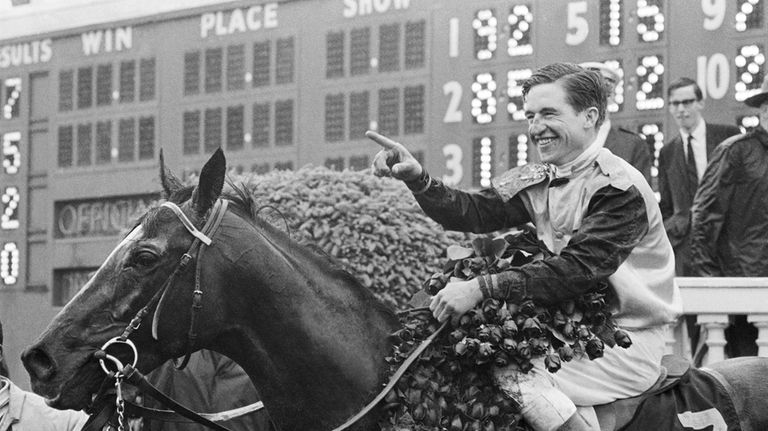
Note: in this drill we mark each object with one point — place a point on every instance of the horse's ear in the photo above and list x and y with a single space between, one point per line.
211 183
170 182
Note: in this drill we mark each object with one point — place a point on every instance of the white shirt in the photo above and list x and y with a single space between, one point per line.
699 144
26 411
4 397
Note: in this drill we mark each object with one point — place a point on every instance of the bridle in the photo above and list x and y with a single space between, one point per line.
133 376
129 373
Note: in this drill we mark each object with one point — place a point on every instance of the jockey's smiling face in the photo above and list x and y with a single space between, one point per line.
559 131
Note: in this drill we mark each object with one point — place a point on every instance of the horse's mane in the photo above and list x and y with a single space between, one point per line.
243 202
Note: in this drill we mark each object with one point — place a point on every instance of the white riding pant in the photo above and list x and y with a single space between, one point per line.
549 399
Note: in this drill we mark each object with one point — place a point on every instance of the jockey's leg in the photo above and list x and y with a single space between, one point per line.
543 406
548 399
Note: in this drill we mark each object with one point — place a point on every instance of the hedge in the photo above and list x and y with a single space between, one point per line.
372 225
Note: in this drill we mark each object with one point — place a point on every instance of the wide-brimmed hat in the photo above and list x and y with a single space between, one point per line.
609 73
757 99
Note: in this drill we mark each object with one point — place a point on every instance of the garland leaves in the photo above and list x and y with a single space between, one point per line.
451 387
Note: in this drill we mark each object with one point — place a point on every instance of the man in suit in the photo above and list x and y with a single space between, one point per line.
682 161
621 142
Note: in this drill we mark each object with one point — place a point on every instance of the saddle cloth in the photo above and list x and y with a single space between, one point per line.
698 401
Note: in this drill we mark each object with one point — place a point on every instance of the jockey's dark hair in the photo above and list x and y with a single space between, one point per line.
584 88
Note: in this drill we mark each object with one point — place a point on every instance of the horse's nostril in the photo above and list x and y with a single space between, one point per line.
39 365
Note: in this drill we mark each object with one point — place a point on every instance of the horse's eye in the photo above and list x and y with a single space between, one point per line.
144 259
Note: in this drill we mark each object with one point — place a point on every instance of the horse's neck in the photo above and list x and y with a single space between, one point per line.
312 343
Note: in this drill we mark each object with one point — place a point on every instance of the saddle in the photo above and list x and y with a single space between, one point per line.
613 416
683 398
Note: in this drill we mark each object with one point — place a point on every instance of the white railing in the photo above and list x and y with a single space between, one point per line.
712 300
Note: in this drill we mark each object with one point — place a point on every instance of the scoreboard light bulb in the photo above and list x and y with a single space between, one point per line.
520 9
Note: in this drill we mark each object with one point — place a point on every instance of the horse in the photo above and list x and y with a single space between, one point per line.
312 339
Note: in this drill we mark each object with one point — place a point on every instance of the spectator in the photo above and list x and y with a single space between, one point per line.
623 143
210 383
729 233
24 411
682 162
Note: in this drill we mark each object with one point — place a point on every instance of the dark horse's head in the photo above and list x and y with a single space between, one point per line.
61 364
300 326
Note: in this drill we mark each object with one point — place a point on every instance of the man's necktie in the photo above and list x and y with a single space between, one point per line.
693 178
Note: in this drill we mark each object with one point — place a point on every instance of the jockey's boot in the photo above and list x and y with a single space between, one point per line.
584 419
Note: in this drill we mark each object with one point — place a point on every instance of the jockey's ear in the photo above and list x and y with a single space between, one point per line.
211 183
170 182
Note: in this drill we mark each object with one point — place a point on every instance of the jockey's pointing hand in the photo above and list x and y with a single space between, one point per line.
393 160
455 299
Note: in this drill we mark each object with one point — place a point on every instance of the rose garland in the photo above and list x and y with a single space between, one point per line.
451 386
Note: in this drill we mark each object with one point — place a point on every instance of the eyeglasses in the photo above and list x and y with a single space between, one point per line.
685 102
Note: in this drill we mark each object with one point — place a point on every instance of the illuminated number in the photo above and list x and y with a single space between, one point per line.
654 133
11 153
12 97
610 20
520 20
452 114
713 75
650 80
520 144
483 102
515 102
453 156
578 27
485 34
749 15
650 20
714 13
482 161
453 37
703 419
9 263
749 63
10 200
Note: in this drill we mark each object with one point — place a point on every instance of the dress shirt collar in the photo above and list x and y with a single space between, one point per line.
699 134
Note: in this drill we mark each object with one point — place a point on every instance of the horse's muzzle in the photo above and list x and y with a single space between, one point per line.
40 366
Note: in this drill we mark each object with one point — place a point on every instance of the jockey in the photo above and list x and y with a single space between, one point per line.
599 217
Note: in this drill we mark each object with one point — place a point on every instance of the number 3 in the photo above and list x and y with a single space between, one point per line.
453 156
703 419
578 27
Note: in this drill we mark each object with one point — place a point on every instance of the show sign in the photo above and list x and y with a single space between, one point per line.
99 217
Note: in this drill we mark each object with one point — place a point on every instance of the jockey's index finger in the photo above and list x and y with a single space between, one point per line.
382 140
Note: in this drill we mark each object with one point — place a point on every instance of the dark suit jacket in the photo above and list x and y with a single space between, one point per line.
631 148
677 196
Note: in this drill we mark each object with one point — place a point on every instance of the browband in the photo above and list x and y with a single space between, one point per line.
187 224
